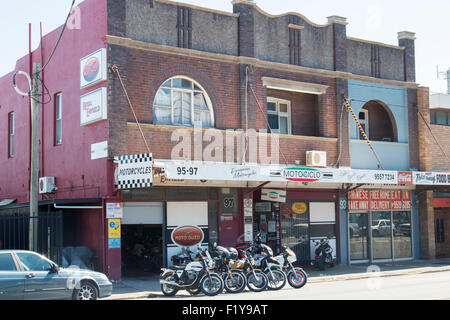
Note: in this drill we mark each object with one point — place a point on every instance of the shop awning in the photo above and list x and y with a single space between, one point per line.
6 202
198 170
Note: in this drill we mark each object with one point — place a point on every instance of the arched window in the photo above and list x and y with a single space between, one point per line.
183 102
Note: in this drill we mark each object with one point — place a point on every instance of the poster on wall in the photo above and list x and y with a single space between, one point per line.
248 219
114 233
93 68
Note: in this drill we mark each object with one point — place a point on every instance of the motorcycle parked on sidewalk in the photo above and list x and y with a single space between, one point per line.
296 276
264 259
182 258
193 276
323 254
234 280
257 280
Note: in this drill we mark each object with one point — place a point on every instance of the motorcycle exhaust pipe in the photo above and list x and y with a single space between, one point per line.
171 283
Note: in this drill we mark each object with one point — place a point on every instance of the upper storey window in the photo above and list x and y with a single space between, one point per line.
183 102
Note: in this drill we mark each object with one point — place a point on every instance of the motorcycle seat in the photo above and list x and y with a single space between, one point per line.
177 267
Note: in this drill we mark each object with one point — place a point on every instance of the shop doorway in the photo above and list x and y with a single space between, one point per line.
141 249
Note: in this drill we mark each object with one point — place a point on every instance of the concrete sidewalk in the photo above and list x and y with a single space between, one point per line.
148 287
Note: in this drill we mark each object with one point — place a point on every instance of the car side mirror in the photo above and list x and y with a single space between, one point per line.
54 269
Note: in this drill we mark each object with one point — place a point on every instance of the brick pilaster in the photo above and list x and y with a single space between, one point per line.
246 28
339 42
406 40
426 198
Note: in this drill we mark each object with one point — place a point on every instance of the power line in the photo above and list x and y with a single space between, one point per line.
59 38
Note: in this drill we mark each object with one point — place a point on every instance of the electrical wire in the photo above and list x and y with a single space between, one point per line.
59 38
37 75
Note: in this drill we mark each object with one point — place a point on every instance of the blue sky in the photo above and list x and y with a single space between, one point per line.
371 20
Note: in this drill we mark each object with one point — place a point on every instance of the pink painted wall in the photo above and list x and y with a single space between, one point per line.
77 176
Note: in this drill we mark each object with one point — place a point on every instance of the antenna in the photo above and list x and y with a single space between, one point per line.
446 76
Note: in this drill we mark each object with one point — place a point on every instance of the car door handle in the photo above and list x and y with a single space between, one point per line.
30 275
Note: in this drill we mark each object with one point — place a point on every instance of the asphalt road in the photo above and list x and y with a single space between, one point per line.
428 286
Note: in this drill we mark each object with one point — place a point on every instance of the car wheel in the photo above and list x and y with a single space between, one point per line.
87 291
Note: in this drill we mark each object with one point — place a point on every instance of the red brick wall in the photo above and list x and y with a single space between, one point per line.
440 161
144 71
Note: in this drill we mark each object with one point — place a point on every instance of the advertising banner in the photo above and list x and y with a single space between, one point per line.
93 107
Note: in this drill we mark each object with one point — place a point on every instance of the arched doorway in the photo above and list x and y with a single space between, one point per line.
378 122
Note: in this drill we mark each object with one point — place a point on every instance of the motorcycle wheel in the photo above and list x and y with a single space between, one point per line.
277 280
297 278
168 290
321 263
235 283
258 283
211 285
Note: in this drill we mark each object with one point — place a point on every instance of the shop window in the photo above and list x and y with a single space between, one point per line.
181 101
402 234
440 232
152 194
279 115
181 194
441 118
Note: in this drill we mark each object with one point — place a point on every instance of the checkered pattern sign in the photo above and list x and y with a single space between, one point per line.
135 171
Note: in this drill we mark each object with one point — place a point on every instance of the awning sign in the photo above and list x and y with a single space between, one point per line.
135 171
195 170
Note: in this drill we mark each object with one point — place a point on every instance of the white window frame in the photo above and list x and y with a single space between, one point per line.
11 133
277 112
192 92
364 122
58 120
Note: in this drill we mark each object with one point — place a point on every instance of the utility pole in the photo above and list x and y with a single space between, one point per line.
35 94
34 170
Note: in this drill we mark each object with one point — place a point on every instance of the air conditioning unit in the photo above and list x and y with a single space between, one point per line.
316 159
47 185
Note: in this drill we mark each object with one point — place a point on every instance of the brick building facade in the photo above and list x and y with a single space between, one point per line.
183 65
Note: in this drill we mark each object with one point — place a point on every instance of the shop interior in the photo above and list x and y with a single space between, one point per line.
141 249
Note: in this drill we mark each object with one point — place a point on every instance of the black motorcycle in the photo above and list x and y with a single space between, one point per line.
234 280
184 257
193 277
265 260
256 279
323 254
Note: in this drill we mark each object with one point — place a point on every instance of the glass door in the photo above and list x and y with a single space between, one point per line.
381 235
295 231
359 236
